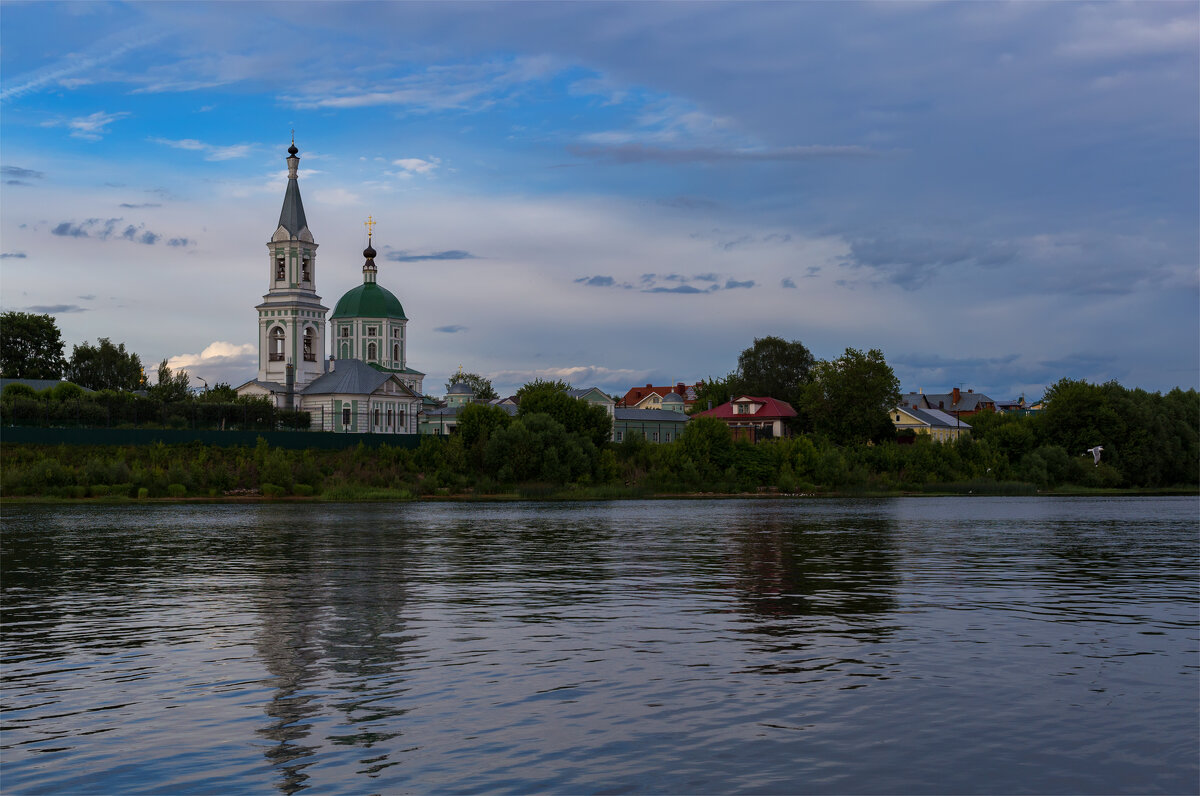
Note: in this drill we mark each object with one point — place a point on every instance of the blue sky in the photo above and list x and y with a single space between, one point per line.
996 195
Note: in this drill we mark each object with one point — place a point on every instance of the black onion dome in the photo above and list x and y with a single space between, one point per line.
369 252
292 149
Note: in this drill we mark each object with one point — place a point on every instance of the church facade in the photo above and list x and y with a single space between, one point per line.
366 385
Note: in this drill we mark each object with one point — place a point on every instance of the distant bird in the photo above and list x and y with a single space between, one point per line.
1095 453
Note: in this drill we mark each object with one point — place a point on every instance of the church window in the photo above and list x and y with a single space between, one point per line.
310 351
371 351
370 331
345 417
395 353
276 349
280 269
345 331
396 332
305 270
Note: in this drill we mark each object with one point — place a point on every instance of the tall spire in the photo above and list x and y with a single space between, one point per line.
292 217
369 269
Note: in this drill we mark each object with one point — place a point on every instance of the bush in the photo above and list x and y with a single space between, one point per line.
176 490
303 490
143 493
272 491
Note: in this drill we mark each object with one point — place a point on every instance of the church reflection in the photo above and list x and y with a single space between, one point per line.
334 639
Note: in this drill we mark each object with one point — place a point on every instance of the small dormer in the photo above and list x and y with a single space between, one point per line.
746 405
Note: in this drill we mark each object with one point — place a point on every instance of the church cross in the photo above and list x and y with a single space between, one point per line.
370 225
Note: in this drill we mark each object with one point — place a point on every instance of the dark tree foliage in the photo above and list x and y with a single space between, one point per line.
542 385
171 386
576 415
714 392
479 385
775 368
105 366
707 442
850 397
220 392
31 347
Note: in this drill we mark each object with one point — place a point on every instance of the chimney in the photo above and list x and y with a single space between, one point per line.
648 386
957 395
970 390
680 389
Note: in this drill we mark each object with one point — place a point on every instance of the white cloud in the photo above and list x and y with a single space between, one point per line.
211 151
91 127
219 361
411 166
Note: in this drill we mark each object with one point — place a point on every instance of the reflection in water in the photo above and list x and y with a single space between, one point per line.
642 646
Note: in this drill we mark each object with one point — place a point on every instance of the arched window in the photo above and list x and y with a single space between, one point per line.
280 269
306 270
396 354
276 349
310 345
371 352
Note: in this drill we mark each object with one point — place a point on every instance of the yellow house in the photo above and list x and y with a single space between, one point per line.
937 424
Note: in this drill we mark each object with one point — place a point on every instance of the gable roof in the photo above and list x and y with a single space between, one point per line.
967 401
771 408
650 415
934 418
638 394
584 392
352 377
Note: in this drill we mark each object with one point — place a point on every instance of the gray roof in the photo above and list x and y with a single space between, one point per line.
349 377
967 401
38 384
459 388
650 415
292 217
673 398
935 418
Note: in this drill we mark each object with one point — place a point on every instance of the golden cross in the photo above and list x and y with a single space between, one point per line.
370 225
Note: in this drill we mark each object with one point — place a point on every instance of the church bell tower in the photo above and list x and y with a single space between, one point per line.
291 318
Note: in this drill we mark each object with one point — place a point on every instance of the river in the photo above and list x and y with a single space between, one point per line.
910 645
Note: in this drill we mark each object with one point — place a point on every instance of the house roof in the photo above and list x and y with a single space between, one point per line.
771 408
637 394
935 418
351 377
650 415
584 392
967 401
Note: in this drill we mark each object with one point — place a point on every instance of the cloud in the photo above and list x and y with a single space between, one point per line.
625 154
211 151
787 282
90 128
219 361
581 376
411 166
16 172
106 229
405 257
452 329
12 256
732 284
55 309
596 281
913 262
100 52
137 207
180 242
678 289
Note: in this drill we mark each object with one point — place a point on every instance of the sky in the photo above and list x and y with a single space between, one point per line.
996 195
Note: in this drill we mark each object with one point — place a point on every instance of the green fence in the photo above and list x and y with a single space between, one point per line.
296 440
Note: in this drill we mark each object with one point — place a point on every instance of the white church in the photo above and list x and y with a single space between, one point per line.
365 385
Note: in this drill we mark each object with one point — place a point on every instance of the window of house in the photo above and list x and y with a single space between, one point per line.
280 268
345 331
371 351
618 436
346 417
370 331
389 416
654 436
400 421
376 416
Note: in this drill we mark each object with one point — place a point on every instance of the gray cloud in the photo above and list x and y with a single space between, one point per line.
12 256
689 203
912 262
732 284
137 206
787 282
55 309
624 154
596 281
180 242
452 329
678 289
451 254
67 229
106 229
16 172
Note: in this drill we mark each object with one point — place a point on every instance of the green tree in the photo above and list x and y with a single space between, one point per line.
850 397
576 415
707 442
105 366
542 385
220 392
171 386
479 385
31 346
776 368
716 392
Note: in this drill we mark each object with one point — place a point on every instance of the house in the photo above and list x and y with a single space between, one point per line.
938 425
656 425
650 397
956 402
752 417
595 397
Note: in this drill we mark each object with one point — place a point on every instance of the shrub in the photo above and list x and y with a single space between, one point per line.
176 490
143 493
303 490
272 491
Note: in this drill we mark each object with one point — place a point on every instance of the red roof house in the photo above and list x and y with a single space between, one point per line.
650 397
753 417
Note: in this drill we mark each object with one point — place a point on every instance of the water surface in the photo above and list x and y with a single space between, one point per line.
810 646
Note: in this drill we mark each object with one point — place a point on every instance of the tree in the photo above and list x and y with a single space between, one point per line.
171 386
775 368
220 392
575 414
105 367
31 347
850 397
542 385
714 392
479 385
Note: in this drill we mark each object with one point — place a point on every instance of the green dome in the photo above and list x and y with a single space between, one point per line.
368 300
